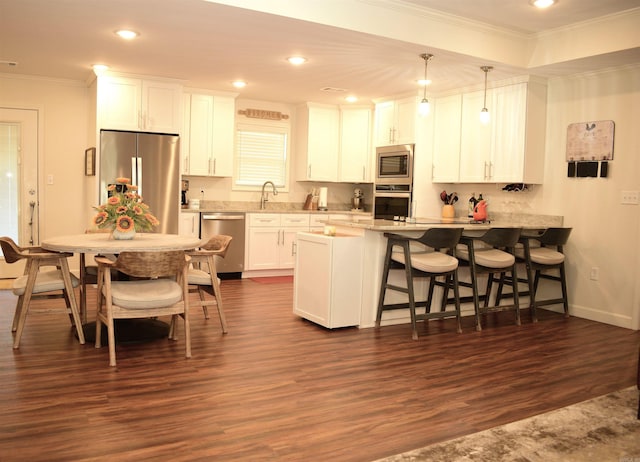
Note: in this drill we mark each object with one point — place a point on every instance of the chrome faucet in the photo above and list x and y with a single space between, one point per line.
265 194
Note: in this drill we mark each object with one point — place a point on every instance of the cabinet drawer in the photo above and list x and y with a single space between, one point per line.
300 220
318 220
264 219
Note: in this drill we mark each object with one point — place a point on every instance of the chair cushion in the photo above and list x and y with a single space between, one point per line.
429 262
488 257
546 256
46 281
199 277
156 293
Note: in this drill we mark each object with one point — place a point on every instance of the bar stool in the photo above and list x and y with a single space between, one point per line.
548 255
490 253
428 256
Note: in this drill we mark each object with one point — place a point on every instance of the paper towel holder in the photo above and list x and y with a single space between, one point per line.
322 199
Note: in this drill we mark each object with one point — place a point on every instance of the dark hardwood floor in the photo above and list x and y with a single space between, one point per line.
277 387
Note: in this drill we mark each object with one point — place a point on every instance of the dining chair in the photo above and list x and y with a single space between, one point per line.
88 272
428 256
157 287
203 277
37 282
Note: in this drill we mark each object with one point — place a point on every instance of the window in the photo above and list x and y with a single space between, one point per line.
261 155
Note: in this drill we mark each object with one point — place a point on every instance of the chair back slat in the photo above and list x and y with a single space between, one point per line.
151 264
502 237
10 250
441 238
219 243
555 236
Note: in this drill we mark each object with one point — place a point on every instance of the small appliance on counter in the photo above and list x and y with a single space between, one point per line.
185 187
322 199
357 201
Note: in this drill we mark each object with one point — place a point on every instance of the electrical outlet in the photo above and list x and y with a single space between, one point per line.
49 179
629 197
595 273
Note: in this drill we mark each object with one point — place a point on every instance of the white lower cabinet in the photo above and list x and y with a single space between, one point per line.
328 279
317 220
272 239
189 224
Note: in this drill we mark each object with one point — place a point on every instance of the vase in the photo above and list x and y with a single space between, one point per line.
124 235
448 211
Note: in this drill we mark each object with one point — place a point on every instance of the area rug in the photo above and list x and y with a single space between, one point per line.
600 430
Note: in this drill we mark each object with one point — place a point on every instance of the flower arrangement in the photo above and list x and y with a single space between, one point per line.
124 209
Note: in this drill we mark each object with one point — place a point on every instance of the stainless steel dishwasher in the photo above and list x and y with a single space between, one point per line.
230 224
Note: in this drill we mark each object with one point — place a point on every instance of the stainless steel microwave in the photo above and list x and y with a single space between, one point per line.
394 164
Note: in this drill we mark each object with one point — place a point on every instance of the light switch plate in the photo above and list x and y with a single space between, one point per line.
629 197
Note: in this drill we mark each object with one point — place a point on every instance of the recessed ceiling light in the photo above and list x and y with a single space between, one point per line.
127 34
542 3
297 60
351 99
239 84
423 82
99 69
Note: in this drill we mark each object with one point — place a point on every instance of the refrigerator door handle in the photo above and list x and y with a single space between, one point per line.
136 173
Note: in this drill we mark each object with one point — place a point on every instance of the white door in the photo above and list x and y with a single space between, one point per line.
19 171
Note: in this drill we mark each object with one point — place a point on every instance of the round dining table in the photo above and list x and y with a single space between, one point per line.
104 243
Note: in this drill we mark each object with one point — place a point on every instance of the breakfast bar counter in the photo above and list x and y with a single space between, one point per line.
374 247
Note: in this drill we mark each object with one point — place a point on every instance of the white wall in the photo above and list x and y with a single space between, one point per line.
606 234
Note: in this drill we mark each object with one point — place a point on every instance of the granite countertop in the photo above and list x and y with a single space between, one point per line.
526 221
272 207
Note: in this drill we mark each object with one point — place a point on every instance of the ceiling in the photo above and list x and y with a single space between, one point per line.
207 45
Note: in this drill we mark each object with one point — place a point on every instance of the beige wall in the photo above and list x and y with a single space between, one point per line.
606 234
63 113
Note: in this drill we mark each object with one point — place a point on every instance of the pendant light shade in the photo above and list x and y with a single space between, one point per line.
485 117
425 107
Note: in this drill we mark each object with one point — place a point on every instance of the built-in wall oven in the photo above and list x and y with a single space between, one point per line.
392 202
394 182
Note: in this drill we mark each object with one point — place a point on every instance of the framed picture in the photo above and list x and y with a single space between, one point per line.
90 162
590 141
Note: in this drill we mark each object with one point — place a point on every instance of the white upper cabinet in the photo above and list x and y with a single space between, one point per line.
126 103
447 115
319 142
395 122
475 139
508 137
334 143
355 145
510 148
207 136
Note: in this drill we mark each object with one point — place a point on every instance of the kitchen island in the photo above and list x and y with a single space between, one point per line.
374 247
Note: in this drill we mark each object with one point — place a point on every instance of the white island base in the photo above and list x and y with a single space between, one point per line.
328 279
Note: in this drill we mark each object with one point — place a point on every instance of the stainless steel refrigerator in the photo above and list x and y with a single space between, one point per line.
152 161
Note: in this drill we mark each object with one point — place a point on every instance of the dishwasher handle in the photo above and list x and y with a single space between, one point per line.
222 217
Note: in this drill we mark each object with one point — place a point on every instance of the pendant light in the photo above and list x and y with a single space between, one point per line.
484 113
424 108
